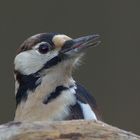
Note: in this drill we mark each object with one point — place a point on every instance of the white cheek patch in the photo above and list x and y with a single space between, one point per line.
31 61
87 112
28 62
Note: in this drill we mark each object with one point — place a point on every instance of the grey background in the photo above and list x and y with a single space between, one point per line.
111 71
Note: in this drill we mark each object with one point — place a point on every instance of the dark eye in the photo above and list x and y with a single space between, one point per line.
44 48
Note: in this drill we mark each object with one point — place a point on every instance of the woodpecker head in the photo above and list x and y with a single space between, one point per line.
47 51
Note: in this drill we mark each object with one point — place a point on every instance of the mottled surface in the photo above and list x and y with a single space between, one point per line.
65 130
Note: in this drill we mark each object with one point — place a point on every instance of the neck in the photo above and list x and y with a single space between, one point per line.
44 84
53 93
60 76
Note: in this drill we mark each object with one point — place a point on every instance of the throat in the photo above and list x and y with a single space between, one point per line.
42 85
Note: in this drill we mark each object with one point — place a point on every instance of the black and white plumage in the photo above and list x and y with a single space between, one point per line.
44 87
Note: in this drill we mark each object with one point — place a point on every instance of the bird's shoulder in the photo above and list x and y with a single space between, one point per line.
84 96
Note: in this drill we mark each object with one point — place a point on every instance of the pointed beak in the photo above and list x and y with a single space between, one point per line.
76 46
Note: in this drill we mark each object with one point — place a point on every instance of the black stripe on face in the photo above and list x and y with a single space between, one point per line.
54 94
26 82
54 61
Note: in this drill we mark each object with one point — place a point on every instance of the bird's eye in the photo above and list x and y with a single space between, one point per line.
44 48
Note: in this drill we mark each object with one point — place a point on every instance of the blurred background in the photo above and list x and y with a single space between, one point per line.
111 71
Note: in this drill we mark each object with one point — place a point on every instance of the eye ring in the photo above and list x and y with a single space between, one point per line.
44 48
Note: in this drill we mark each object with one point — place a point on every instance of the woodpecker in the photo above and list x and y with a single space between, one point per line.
44 87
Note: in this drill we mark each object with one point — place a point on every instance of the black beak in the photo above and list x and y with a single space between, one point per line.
76 46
